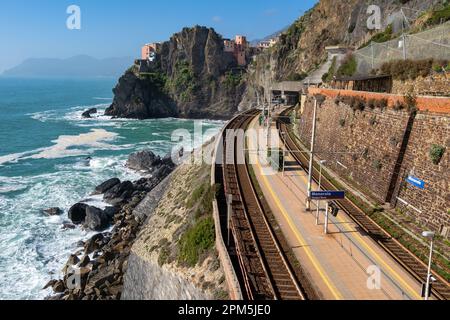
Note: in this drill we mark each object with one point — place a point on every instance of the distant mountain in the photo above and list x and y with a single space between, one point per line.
273 35
77 66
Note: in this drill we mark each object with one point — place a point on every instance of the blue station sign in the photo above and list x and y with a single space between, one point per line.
327 195
416 182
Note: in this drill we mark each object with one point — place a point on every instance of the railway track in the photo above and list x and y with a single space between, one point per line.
266 273
412 264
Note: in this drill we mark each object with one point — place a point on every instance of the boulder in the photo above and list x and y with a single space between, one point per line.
107 185
119 193
84 262
88 113
111 211
53 211
93 243
73 260
96 219
144 160
59 287
50 284
68 226
77 214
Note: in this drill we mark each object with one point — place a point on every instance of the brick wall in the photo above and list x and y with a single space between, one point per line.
364 146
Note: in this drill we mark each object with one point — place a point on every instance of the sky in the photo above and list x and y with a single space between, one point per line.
118 28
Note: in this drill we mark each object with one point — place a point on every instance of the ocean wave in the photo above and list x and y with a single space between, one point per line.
34 246
63 147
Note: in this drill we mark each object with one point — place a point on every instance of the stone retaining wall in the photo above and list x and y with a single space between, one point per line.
367 147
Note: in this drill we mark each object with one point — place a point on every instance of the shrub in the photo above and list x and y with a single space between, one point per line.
232 80
381 37
372 103
447 67
436 153
407 69
297 76
348 66
196 241
342 122
382 104
411 102
398 106
357 103
438 16
440 65
327 77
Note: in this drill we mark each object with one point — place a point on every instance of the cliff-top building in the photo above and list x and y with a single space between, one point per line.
149 50
238 47
268 44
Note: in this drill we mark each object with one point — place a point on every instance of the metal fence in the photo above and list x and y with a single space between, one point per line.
433 43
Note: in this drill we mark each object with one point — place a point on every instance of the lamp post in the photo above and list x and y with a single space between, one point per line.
322 162
311 159
430 236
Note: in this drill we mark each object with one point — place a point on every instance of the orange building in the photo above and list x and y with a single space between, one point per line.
148 50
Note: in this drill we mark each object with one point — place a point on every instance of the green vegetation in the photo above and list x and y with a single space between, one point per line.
197 240
438 16
232 79
436 153
157 80
297 76
348 66
327 77
184 81
407 69
199 237
381 37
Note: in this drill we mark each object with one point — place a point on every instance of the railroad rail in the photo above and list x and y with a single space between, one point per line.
440 288
266 272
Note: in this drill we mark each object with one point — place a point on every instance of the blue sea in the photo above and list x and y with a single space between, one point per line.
51 157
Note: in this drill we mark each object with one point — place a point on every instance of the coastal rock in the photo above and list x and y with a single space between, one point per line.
144 160
53 211
93 243
84 262
139 98
119 193
59 287
77 213
73 260
111 211
107 185
96 219
50 284
192 77
68 226
88 113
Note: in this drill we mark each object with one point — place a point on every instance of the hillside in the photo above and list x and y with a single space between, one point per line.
301 49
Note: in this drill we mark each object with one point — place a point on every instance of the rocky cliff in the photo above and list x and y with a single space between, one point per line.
191 77
301 49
